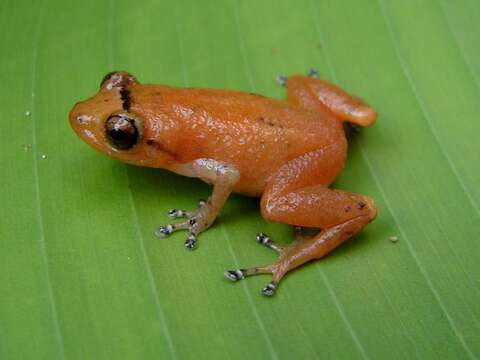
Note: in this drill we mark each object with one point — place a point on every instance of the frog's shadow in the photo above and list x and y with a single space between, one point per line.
159 183
151 183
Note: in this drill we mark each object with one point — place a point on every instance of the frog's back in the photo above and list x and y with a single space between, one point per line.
236 106
255 133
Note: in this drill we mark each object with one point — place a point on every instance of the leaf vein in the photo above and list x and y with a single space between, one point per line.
407 241
145 259
38 201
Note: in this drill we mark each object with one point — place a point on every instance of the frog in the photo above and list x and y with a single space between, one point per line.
285 152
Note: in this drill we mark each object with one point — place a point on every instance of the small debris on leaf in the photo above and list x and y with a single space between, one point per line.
393 238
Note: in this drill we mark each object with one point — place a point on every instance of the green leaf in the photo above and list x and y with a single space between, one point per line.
82 275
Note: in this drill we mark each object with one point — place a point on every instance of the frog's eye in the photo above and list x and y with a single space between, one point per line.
122 132
118 80
106 78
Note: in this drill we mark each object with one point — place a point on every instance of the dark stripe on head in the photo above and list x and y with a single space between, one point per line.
126 99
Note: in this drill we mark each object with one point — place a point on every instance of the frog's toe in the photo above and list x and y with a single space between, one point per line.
265 240
164 231
269 289
177 213
234 275
282 80
191 242
313 73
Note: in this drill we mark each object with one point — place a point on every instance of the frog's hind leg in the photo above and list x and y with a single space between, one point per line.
338 213
317 94
298 195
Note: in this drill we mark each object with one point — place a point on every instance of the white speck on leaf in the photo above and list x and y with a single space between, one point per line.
393 238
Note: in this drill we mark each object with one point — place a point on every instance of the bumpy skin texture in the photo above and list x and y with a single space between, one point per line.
254 133
286 152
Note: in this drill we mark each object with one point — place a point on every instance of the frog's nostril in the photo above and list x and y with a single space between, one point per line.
83 119
76 115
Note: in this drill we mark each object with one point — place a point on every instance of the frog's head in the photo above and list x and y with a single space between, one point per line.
106 121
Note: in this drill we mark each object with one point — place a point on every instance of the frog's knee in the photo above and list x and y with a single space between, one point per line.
367 206
270 208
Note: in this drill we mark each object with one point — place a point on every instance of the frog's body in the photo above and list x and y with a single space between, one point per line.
287 152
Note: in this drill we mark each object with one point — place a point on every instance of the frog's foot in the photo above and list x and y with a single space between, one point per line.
265 240
195 223
178 214
286 261
223 177
235 275
275 269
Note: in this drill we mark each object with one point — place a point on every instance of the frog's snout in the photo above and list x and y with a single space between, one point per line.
83 123
75 116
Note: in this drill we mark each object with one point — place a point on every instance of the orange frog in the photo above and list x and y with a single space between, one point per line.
286 152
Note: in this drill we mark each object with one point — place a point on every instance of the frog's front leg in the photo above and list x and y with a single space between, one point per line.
223 177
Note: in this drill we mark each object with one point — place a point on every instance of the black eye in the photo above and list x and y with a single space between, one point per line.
122 133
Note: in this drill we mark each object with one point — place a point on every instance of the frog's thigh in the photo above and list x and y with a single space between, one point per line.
319 167
319 94
317 206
